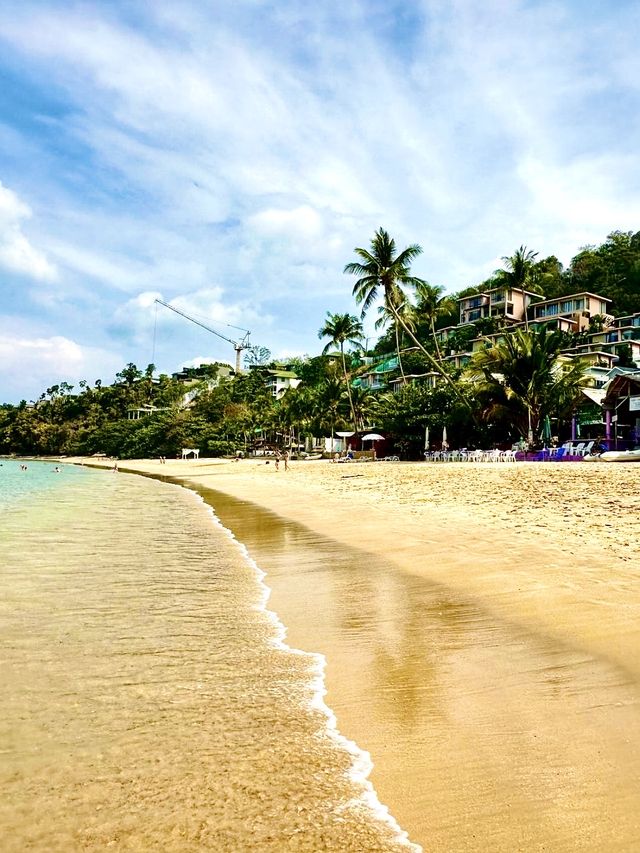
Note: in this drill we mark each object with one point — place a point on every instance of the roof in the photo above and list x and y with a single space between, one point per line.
572 296
505 286
596 395
620 384
283 374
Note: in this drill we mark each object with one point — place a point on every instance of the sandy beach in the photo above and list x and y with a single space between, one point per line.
481 627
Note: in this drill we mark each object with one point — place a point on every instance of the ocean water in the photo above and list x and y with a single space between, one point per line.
149 699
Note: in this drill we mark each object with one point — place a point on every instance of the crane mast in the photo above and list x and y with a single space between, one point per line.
238 346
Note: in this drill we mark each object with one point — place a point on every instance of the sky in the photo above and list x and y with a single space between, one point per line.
228 155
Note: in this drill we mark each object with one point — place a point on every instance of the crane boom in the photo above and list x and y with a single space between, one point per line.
237 345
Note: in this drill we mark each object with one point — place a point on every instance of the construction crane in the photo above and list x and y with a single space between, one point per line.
237 345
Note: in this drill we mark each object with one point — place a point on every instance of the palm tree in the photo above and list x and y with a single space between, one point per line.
519 272
365 405
387 316
380 268
341 329
522 379
431 304
329 397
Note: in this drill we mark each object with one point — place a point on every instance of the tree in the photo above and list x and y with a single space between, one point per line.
341 329
328 405
380 268
390 318
365 405
129 374
432 304
522 378
257 356
519 268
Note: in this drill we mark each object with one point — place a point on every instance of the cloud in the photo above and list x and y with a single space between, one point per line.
233 161
16 252
31 364
144 321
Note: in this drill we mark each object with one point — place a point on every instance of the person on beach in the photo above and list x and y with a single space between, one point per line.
277 460
285 456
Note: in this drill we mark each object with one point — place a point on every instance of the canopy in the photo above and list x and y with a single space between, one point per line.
596 395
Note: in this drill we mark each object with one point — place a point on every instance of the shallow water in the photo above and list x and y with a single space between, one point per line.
148 702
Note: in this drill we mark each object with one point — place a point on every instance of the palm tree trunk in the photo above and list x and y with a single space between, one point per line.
346 379
435 339
438 367
398 352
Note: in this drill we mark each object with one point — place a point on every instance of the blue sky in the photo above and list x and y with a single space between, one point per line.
228 156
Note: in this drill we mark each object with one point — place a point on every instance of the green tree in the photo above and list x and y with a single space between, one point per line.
342 329
519 269
523 378
365 406
381 269
433 303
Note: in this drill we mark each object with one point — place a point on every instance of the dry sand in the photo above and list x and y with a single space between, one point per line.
481 625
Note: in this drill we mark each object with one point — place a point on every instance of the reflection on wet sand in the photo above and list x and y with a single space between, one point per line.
485 735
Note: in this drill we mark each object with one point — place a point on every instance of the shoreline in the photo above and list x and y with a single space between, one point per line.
516 550
387 509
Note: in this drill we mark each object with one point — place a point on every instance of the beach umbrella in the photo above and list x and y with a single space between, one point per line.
372 436
445 443
546 430
426 438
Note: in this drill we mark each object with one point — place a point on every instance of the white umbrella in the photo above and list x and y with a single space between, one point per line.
372 436
426 438
345 434
445 443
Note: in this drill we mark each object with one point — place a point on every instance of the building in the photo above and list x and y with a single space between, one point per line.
279 380
621 405
576 310
376 377
508 303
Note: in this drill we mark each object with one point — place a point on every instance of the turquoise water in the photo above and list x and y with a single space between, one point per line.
149 701
40 478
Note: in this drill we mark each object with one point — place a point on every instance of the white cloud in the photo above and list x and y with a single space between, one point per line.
232 162
302 221
199 360
16 252
144 319
32 364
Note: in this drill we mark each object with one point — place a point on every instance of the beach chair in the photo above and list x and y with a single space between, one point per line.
588 448
578 451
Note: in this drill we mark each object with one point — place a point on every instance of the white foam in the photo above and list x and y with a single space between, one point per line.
361 763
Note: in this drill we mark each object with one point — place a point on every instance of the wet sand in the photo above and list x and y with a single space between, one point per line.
481 629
